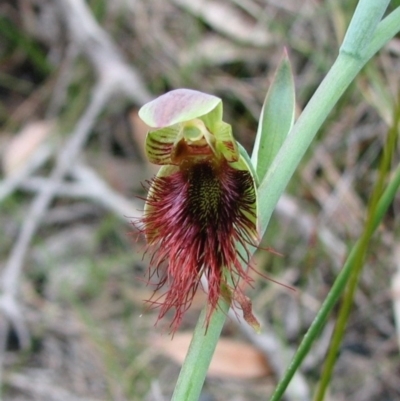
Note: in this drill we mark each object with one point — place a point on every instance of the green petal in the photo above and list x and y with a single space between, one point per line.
159 144
212 118
178 106
277 117
225 143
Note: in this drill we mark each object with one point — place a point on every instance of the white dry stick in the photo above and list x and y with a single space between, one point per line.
12 271
100 192
396 293
89 185
115 78
40 389
101 50
11 182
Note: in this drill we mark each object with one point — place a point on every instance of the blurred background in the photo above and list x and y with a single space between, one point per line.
73 73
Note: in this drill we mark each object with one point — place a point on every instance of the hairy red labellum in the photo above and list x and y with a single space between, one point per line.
195 217
201 210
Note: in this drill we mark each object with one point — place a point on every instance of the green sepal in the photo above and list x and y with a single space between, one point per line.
243 153
225 142
243 165
277 118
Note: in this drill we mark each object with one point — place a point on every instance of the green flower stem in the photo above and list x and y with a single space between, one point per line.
342 73
336 290
202 346
338 79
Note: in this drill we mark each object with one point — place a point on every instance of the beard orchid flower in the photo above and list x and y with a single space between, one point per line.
200 214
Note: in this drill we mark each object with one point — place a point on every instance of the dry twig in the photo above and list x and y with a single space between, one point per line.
88 185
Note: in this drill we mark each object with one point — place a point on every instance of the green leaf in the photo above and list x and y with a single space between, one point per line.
178 106
277 117
363 25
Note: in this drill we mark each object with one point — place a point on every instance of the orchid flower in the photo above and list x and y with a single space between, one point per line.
200 215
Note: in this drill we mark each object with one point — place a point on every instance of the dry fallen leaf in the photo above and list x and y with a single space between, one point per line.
23 145
241 27
231 358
